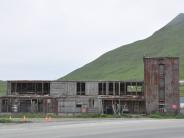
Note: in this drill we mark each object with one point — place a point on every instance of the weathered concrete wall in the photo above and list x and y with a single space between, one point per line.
69 105
92 88
152 83
69 88
61 88
68 101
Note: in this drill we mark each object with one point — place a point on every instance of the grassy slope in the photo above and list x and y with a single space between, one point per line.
2 88
126 62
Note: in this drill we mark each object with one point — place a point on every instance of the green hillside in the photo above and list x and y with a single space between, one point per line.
126 62
2 88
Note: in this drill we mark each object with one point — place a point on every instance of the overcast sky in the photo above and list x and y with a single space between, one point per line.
46 39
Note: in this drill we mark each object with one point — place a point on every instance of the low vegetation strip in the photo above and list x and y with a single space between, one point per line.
13 120
28 118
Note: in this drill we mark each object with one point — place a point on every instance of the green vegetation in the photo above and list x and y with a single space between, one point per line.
182 90
29 117
6 120
2 88
126 62
166 116
13 120
52 115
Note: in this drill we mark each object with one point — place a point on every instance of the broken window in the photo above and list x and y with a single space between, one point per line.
134 88
78 105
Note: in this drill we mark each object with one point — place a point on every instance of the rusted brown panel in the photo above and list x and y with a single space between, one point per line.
152 82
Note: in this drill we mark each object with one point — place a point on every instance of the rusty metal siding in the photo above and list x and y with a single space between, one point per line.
151 83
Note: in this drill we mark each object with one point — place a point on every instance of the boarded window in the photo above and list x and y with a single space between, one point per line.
162 89
161 70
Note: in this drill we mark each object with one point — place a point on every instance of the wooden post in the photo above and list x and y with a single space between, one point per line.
31 105
15 87
125 88
35 88
107 88
136 88
113 84
119 88
42 88
37 106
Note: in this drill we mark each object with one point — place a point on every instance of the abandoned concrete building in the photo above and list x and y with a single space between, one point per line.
158 92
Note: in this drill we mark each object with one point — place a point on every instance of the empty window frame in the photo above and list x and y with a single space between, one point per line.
111 88
30 88
81 88
122 88
78 105
102 88
117 88
91 103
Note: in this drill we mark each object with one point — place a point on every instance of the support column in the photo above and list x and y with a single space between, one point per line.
119 88
125 88
136 88
113 84
42 88
107 88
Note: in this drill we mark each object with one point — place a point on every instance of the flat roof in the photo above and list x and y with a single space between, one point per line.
161 57
30 81
26 96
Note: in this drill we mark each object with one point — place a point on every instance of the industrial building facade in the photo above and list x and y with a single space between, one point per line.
158 92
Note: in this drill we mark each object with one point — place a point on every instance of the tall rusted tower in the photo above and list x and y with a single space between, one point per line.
161 84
